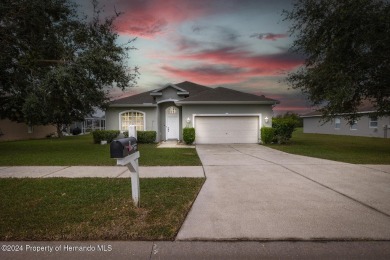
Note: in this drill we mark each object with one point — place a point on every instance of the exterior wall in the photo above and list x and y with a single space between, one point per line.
168 93
189 110
19 131
112 117
314 125
155 117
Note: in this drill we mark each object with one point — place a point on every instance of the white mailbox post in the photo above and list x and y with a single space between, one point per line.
128 156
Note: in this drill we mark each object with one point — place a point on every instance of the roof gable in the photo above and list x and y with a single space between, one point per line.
180 91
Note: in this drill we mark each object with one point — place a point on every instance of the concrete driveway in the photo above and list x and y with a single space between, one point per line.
256 193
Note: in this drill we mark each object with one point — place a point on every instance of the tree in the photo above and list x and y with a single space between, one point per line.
347 49
56 66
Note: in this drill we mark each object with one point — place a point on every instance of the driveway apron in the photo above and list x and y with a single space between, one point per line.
256 193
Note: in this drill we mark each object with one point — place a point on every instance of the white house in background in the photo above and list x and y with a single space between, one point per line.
367 125
219 115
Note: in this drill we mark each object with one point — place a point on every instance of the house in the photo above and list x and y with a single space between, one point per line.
367 125
92 122
10 130
219 115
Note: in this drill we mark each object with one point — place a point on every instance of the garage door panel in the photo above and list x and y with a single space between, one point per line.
227 129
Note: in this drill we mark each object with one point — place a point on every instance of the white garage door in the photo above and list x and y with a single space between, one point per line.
226 129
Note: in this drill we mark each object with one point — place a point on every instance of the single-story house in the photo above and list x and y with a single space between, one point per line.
10 130
367 125
219 115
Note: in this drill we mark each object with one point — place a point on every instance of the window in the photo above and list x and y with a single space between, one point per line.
172 110
353 125
132 118
337 123
373 123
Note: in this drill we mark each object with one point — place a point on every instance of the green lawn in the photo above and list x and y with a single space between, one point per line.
350 149
80 150
94 208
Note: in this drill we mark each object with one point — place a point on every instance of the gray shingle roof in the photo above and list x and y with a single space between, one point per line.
365 107
141 98
198 93
221 94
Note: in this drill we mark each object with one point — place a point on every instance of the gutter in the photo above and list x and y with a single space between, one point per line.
133 105
227 102
340 114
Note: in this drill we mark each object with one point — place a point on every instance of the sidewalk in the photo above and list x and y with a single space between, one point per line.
196 250
100 172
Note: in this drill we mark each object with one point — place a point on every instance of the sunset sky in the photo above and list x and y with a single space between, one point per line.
239 44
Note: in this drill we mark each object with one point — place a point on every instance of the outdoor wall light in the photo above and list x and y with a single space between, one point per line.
188 120
266 119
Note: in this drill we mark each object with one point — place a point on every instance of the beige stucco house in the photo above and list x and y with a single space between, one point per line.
10 130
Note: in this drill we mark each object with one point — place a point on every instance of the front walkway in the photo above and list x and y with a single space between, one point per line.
173 144
256 193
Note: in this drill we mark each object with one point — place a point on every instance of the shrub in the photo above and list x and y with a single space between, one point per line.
284 127
76 131
144 137
267 134
189 135
104 135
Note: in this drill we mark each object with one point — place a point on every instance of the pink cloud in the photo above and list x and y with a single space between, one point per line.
149 18
269 36
208 75
269 64
230 65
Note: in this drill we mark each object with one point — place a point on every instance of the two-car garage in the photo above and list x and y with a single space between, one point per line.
220 129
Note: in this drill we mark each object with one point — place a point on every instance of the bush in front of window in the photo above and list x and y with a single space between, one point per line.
104 135
189 135
144 137
76 131
267 135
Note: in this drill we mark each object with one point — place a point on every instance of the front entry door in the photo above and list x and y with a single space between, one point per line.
172 123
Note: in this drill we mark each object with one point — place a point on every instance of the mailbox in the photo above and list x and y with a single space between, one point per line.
123 147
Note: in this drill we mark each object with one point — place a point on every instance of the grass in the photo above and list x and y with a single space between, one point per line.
93 208
80 150
350 149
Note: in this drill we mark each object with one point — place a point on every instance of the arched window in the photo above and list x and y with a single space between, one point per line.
132 118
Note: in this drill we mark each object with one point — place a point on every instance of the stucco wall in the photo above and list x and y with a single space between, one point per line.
314 125
112 117
19 131
190 110
168 93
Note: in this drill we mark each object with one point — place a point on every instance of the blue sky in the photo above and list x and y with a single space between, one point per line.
239 44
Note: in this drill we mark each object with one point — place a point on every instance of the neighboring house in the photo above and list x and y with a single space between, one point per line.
367 125
94 121
219 115
10 130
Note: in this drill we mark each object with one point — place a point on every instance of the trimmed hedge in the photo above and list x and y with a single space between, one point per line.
104 135
284 127
144 137
267 135
189 135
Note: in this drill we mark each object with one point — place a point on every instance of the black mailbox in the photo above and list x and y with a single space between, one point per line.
123 147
